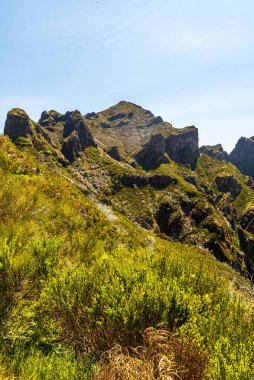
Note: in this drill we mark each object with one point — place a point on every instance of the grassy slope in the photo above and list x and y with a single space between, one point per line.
74 280
141 204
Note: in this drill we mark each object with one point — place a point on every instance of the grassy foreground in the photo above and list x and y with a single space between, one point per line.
85 294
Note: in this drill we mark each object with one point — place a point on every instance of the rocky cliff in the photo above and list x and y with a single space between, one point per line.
243 155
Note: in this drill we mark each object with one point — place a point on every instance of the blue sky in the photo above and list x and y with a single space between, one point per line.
189 61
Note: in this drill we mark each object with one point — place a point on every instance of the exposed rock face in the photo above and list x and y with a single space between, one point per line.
183 148
17 124
50 118
153 153
24 131
228 184
66 134
192 180
76 136
180 147
243 155
115 153
215 151
170 221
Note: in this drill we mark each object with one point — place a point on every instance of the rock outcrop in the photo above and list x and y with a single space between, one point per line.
67 133
115 153
228 184
50 118
243 155
64 135
214 151
180 147
18 124
76 136
153 154
183 147
24 131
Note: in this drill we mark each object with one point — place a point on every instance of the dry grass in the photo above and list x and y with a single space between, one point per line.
162 357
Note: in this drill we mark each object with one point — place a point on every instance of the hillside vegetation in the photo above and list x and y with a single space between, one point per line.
109 271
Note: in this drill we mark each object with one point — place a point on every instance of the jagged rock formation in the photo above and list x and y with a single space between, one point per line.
126 132
243 155
76 136
50 118
68 132
214 151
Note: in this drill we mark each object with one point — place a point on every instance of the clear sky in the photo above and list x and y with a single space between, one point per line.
190 61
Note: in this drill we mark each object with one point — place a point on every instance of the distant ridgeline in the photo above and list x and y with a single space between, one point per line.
153 173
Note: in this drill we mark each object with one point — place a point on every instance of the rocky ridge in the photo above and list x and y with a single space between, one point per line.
215 151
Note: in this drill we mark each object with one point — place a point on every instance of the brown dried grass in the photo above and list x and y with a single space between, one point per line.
164 356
